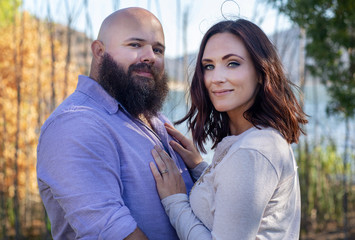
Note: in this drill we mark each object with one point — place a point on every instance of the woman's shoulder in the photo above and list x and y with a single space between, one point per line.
263 138
267 142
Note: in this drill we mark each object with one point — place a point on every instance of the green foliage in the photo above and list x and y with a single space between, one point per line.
330 30
7 10
10 211
320 173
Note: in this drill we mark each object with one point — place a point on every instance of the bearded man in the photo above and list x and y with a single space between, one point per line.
94 150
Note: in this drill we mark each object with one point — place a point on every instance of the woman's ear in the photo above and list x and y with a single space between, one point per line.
260 80
98 50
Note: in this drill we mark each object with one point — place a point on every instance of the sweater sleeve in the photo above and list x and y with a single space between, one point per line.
187 225
244 184
198 170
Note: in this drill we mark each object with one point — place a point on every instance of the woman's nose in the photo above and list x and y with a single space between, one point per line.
218 76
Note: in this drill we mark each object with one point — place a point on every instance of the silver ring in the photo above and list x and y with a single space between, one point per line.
164 171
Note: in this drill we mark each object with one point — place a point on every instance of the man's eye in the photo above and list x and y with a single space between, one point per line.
208 67
134 45
158 50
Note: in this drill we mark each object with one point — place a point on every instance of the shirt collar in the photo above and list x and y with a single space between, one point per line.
94 90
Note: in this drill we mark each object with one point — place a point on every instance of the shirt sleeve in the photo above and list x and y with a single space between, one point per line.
78 166
187 225
244 184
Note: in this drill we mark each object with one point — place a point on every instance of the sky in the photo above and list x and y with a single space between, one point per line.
202 14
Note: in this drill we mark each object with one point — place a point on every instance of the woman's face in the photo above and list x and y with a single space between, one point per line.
229 74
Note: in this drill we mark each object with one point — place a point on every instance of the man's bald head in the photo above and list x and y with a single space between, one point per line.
128 18
129 60
130 36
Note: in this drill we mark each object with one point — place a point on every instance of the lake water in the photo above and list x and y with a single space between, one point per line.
320 125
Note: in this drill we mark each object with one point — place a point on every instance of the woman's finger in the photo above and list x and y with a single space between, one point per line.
177 135
168 182
179 149
165 158
162 191
185 147
174 132
162 167
155 171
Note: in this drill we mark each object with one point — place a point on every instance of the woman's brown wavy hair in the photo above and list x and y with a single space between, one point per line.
275 104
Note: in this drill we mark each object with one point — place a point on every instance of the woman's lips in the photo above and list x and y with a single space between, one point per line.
222 92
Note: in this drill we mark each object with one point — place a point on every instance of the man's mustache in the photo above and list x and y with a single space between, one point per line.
143 67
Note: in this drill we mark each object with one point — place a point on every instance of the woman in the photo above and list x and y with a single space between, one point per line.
242 101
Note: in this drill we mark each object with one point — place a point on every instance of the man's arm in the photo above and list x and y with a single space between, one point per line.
137 235
78 168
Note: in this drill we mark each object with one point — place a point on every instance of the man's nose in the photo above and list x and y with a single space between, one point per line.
147 55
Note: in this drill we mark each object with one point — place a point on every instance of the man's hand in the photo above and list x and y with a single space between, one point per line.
137 235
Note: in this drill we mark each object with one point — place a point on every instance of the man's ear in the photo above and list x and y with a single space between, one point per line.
98 50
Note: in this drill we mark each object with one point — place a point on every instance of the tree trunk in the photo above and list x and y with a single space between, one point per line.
116 4
184 40
178 17
52 39
158 8
345 176
3 196
88 37
39 71
71 14
302 63
68 59
307 160
18 79
185 47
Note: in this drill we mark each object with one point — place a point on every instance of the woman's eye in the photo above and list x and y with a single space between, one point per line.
208 67
233 64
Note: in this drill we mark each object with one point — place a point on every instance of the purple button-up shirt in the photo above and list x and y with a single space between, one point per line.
93 169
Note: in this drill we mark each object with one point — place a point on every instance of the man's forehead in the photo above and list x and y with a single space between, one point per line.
132 23
141 31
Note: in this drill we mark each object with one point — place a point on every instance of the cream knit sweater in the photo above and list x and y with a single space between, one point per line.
250 191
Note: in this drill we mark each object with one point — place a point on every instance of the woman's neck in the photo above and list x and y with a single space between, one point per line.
239 125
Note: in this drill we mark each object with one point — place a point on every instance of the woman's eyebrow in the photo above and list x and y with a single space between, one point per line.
232 55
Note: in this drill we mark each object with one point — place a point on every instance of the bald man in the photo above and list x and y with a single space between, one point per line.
94 150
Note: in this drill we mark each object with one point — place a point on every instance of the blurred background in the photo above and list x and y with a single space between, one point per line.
45 45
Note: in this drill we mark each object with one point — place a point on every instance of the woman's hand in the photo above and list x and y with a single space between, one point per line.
187 149
167 176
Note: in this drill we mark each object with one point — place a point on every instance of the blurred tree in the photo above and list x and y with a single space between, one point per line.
330 31
8 9
25 99
72 15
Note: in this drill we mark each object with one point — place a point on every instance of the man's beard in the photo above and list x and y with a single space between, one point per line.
138 95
